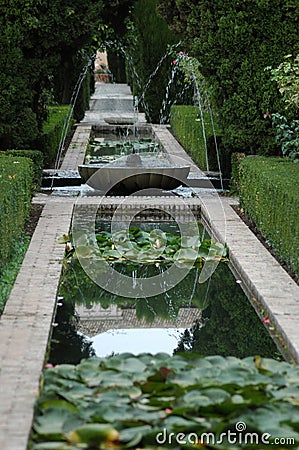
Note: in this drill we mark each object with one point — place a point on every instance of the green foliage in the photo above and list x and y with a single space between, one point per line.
49 140
45 48
235 174
18 122
286 76
269 195
11 270
15 196
186 125
233 42
149 39
139 247
287 135
37 160
128 401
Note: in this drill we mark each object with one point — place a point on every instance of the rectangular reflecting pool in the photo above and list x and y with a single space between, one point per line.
210 318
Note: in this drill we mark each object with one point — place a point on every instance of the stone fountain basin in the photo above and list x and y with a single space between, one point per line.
132 179
120 120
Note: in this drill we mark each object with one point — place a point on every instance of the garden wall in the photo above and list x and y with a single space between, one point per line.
269 196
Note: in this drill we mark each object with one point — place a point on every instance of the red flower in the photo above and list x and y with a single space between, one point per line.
266 320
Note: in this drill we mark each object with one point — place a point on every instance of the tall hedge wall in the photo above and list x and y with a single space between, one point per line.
186 125
15 195
50 137
269 195
37 159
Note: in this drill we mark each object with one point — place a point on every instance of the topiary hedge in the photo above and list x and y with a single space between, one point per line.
38 162
49 140
269 195
15 195
186 125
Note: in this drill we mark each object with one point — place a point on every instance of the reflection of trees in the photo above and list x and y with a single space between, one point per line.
232 326
67 345
77 286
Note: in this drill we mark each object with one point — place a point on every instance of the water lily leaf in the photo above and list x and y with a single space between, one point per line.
204 398
83 251
132 436
128 364
289 394
53 446
59 404
192 241
186 254
113 254
63 239
50 426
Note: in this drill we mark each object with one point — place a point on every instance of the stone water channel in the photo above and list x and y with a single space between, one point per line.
27 321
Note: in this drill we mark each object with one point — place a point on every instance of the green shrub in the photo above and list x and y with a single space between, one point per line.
150 39
269 195
15 196
185 122
52 130
236 158
37 159
82 102
9 273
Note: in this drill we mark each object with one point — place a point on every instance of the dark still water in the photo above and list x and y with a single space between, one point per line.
213 318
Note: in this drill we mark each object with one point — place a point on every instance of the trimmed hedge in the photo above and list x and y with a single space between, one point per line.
38 162
236 158
185 122
15 196
49 140
269 196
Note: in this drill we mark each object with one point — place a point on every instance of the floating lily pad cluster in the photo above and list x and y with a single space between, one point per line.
136 246
147 401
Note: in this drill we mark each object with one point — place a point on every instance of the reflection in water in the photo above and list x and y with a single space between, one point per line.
137 340
210 318
231 326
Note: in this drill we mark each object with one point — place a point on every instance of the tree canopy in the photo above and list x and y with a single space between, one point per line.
234 41
46 45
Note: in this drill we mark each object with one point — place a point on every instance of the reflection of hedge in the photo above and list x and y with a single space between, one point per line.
232 326
49 140
269 195
186 125
15 196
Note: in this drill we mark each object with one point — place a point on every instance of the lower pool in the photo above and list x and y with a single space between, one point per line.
210 318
